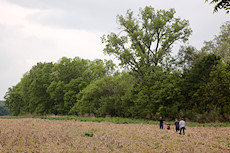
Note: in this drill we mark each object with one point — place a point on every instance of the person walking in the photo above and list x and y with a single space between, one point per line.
182 126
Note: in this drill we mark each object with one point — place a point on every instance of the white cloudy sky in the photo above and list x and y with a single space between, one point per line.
34 31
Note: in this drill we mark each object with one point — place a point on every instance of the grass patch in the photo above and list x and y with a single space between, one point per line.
193 124
116 120
89 134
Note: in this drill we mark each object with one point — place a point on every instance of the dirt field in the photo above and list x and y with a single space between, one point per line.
37 135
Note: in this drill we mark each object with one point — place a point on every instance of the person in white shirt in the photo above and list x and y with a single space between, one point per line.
182 126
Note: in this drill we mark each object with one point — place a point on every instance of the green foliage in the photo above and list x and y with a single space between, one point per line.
147 40
220 45
194 84
221 4
89 134
197 77
117 120
52 88
205 84
56 92
159 96
103 96
215 95
4 111
185 57
145 49
14 101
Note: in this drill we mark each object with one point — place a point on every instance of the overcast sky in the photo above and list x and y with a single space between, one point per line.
34 31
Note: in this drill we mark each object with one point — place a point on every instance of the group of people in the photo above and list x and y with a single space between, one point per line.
179 125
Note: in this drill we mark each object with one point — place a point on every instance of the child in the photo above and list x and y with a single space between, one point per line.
177 125
168 126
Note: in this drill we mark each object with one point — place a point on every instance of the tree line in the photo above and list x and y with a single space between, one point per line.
150 82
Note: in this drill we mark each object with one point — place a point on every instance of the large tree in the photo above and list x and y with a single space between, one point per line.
145 41
143 46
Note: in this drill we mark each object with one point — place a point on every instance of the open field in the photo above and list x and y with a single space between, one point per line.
39 135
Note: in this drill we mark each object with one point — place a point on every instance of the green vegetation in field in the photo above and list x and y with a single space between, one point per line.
118 120
89 134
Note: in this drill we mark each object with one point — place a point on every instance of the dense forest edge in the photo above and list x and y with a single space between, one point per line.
149 81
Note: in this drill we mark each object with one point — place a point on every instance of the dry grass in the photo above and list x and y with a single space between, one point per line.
37 135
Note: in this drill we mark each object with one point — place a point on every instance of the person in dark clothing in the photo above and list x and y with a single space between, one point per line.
177 125
161 121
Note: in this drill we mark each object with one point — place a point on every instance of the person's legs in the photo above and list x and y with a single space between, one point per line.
177 129
161 126
183 131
